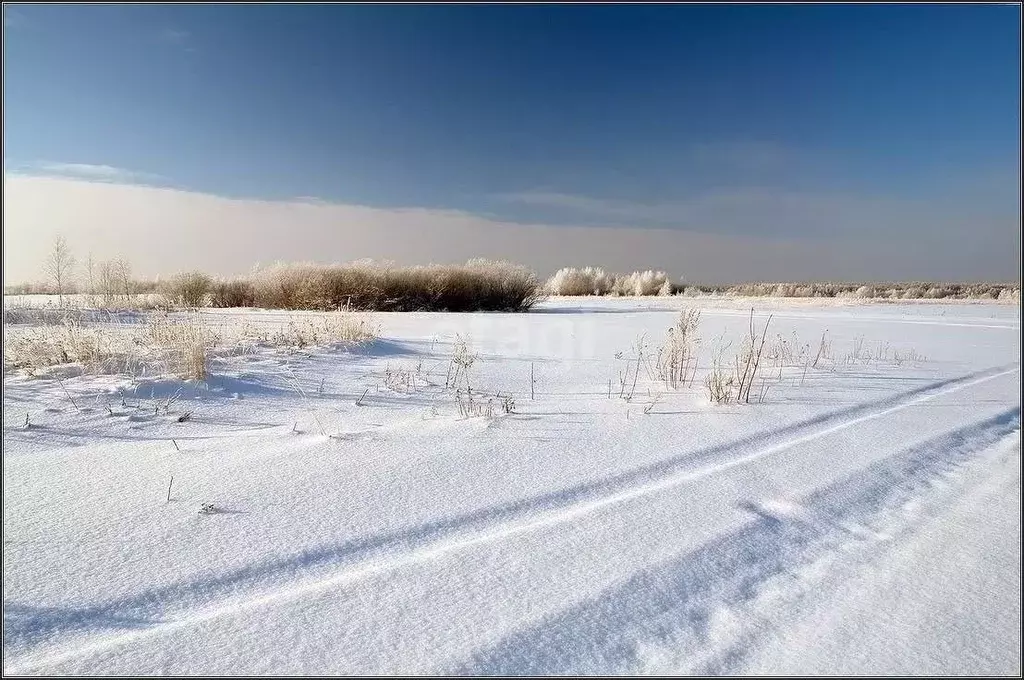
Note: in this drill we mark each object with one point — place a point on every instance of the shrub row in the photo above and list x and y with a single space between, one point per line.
478 285
596 281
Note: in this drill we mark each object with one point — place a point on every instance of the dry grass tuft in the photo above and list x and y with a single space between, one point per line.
184 342
677 359
337 327
724 387
720 384
69 342
162 342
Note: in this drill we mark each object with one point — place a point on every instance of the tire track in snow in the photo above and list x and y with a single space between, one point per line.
673 618
356 560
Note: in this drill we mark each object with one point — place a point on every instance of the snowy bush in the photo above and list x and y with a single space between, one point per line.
188 289
585 281
640 283
865 292
232 293
1009 294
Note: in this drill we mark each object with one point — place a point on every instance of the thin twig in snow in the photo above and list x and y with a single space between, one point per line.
67 394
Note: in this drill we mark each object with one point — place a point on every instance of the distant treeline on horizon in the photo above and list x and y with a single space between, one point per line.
477 285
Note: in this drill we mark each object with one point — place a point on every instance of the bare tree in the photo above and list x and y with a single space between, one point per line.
59 267
90 277
107 283
123 273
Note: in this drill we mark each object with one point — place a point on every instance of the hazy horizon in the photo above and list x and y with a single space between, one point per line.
226 237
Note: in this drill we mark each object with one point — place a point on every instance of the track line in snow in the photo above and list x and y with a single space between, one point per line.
672 618
441 538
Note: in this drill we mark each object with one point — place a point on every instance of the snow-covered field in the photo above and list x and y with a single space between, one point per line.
865 518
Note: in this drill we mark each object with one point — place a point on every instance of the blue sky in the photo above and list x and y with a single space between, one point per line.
603 115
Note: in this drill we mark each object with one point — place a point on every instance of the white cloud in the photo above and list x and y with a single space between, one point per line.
90 171
595 206
166 230
970 212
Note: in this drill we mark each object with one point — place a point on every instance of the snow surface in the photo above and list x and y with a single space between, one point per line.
864 519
